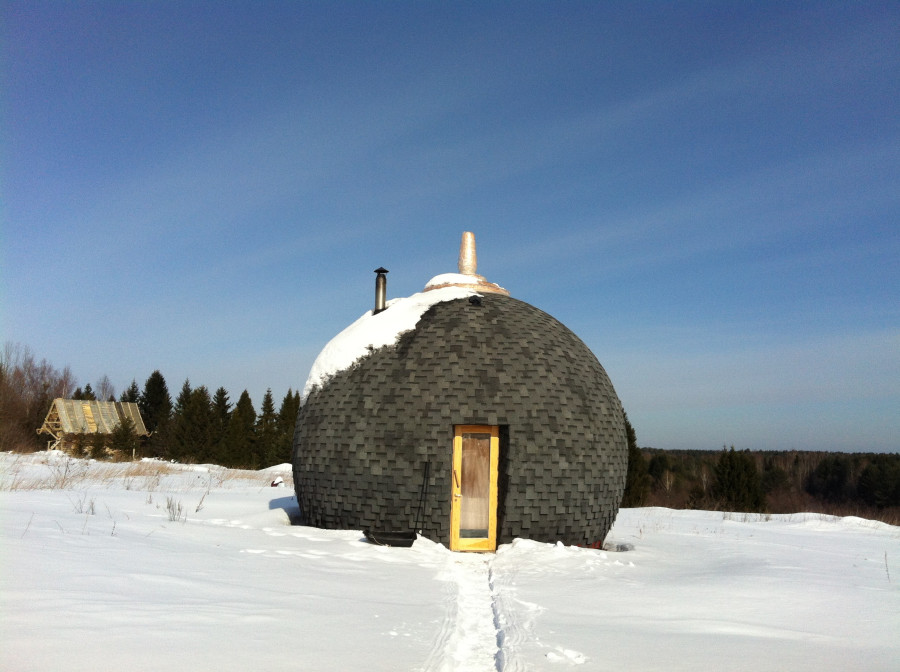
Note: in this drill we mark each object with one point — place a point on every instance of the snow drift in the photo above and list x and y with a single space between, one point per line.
103 570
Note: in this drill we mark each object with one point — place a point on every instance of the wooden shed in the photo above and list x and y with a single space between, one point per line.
68 418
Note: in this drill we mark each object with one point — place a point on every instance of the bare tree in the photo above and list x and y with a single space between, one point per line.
105 390
27 388
704 478
668 480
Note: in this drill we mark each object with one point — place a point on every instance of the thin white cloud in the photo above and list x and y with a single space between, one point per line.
803 197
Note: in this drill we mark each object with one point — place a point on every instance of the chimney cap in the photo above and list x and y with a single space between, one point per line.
381 269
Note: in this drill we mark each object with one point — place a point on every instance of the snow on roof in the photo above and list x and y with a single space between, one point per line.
370 332
476 282
451 279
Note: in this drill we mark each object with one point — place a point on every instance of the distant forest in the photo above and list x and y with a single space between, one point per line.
791 481
201 427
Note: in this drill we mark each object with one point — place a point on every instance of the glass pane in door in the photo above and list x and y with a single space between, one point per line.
475 485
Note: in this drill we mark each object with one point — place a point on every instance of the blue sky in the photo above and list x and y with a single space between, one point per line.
706 193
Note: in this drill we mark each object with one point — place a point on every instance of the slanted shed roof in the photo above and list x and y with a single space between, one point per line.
75 416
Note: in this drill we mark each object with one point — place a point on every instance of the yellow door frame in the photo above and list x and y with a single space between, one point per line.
488 543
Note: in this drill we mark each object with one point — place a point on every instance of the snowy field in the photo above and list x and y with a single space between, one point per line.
150 566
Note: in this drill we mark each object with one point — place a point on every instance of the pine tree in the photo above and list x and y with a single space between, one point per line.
88 393
266 431
240 439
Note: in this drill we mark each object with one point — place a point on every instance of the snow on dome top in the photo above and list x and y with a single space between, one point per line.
451 279
375 330
371 331
474 282
467 276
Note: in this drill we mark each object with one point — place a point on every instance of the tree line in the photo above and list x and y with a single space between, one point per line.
860 484
202 427
196 427
208 428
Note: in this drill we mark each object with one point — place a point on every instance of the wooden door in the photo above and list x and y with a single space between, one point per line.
473 510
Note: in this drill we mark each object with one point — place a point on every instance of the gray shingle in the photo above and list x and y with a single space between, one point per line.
362 439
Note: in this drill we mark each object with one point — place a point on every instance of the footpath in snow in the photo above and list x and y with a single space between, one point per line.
468 636
168 567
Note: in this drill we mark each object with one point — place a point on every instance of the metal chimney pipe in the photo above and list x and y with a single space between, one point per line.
468 260
380 290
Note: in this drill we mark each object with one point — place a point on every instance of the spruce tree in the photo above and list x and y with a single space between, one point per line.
879 482
80 445
637 482
183 398
124 440
221 411
241 437
132 394
737 482
830 480
287 419
193 424
177 434
88 393
155 402
266 431
97 444
156 410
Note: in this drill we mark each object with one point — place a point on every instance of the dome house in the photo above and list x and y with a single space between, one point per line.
464 414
